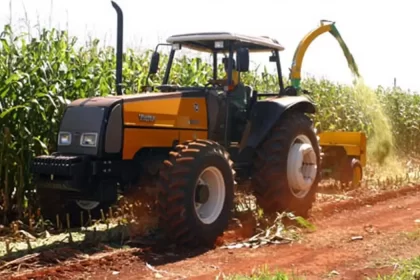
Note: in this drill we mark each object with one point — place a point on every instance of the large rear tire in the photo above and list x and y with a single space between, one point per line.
286 168
196 188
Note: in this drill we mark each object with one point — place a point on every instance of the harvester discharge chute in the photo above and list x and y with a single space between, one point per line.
295 73
344 153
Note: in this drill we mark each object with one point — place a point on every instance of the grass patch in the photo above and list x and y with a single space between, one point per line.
404 270
407 269
413 235
263 274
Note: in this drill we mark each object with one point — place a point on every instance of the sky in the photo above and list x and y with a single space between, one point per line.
381 35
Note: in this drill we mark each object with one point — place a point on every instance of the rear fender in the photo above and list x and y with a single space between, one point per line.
266 113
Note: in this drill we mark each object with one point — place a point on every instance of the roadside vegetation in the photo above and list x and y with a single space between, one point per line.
263 274
406 269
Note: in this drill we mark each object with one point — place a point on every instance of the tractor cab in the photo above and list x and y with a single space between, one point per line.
230 100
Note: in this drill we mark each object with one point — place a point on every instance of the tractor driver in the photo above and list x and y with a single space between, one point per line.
235 75
238 100
238 96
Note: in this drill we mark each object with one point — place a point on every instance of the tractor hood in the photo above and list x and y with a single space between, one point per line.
106 117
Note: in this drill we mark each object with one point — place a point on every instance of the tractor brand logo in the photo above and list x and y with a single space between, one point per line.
196 107
147 118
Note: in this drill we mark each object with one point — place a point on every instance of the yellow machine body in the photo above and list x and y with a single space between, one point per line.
354 143
174 118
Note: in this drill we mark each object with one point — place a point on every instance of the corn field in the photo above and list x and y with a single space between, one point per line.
39 76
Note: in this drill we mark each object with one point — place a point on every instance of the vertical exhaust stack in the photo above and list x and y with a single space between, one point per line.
119 47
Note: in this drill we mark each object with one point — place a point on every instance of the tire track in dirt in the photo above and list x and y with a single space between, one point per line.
380 220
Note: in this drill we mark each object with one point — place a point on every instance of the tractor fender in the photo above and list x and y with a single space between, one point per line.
265 114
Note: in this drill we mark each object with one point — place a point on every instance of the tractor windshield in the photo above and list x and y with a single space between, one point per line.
190 65
187 67
190 68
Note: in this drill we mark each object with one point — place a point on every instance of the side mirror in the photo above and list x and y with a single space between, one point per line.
242 60
154 63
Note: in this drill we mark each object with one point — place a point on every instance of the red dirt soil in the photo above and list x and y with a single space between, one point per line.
383 223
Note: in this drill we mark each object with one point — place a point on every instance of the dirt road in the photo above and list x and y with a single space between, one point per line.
354 239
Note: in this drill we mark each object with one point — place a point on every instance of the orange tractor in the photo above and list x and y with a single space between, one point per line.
192 142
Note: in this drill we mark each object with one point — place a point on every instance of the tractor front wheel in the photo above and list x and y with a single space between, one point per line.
286 168
52 203
196 188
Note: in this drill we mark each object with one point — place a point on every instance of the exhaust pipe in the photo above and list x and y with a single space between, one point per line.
119 47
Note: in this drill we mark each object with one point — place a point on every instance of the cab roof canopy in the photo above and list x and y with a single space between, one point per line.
205 42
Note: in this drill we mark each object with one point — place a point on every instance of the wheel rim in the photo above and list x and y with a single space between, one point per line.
301 166
87 205
209 195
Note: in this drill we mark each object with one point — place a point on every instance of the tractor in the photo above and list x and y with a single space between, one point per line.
193 145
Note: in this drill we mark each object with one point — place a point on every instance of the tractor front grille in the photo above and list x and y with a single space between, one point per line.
60 165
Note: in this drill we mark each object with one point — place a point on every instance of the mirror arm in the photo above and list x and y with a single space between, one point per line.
168 67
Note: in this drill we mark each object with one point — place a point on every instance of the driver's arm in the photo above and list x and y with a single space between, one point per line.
218 81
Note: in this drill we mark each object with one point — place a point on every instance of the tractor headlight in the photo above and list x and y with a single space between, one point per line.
64 138
88 139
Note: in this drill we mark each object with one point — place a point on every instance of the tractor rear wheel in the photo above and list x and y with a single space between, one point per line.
357 169
351 172
196 188
286 168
